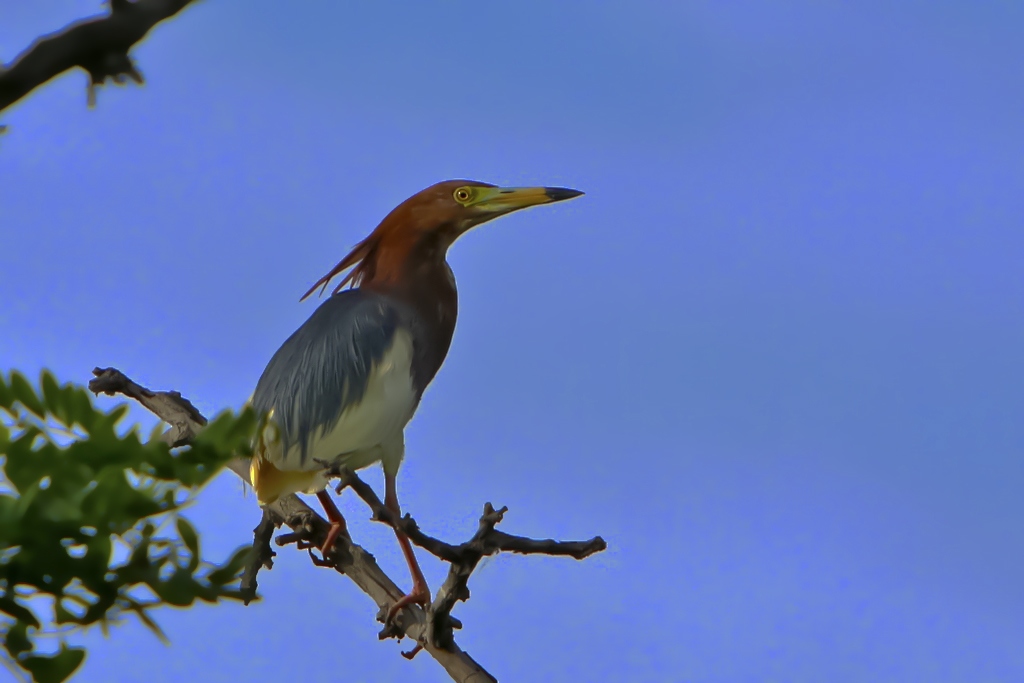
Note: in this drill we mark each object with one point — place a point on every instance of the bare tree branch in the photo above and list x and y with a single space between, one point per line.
170 406
431 629
263 556
99 44
463 558
348 559
492 540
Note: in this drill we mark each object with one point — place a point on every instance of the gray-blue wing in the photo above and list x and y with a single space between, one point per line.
325 366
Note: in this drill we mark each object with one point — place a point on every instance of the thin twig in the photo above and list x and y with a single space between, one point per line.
432 631
170 406
463 558
355 563
380 513
262 555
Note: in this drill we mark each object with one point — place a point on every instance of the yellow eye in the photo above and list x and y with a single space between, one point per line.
463 195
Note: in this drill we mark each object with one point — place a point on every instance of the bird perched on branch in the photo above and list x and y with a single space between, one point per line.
343 387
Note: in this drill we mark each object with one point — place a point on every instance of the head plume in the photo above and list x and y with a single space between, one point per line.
360 260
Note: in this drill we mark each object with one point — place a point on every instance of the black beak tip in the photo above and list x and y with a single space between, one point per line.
557 194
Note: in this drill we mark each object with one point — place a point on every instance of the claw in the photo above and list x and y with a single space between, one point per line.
332 535
413 652
419 595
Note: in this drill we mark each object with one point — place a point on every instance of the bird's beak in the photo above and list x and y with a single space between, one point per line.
501 200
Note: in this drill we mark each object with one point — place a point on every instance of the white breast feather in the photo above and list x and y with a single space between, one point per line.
370 430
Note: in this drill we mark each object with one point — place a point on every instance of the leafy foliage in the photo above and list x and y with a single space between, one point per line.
90 523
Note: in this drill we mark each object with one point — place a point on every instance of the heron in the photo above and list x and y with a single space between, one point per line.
342 388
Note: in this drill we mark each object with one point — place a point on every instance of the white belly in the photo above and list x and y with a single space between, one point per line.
370 430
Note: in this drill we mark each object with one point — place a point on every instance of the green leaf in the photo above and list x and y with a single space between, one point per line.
229 433
179 590
17 640
23 392
54 668
235 594
7 604
62 615
148 622
191 540
81 409
54 397
115 504
27 497
58 508
64 504
230 569
6 395
24 465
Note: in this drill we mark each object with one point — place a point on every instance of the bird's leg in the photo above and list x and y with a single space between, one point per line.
420 593
335 518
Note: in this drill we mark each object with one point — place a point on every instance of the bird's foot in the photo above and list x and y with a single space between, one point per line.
332 536
419 595
413 652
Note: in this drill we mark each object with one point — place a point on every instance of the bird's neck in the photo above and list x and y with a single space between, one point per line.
427 286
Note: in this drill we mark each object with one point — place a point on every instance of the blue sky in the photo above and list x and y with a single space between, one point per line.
773 356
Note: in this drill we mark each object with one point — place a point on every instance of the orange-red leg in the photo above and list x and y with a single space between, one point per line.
420 593
334 517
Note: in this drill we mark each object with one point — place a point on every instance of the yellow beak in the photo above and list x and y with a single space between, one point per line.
505 199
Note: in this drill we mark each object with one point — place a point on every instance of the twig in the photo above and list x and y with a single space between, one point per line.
463 558
380 513
355 563
432 630
99 44
262 556
170 406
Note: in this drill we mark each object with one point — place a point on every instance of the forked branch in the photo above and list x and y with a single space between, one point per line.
430 629
464 557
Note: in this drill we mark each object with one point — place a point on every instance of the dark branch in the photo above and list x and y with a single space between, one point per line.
308 529
169 406
380 513
464 558
487 541
529 546
99 44
432 630
262 555
491 542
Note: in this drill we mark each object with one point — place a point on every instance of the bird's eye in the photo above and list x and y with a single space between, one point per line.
462 195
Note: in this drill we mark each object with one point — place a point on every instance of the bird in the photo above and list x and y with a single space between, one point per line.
342 388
